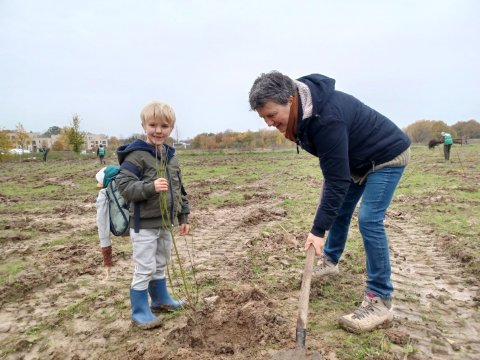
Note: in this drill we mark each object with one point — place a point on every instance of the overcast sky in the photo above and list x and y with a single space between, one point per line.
104 60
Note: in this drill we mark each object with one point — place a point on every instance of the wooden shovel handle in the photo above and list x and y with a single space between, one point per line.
305 289
304 297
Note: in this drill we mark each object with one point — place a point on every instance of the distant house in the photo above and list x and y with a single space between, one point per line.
37 141
93 141
180 145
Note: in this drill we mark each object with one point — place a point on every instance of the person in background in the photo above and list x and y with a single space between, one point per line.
44 151
103 177
150 227
101 151
447 144
362 155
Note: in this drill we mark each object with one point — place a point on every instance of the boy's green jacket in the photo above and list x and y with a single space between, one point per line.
138 170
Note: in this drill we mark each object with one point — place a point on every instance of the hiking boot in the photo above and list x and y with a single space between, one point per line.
374 312
324 267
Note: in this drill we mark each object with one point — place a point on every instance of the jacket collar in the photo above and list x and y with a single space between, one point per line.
141 145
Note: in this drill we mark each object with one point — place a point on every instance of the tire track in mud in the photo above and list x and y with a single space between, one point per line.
222 238
434 303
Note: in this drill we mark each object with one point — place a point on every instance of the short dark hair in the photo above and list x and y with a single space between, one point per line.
272 86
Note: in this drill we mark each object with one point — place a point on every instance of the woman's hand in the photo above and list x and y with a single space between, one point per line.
161 184
317 243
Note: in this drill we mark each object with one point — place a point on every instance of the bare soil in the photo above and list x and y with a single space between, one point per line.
62 307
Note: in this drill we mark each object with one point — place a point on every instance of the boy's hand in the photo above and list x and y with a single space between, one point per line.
184 229
161 184
317 243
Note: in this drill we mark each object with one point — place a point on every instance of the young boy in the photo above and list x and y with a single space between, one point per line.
103 177
149 231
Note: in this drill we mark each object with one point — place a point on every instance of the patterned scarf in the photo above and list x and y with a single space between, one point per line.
292 119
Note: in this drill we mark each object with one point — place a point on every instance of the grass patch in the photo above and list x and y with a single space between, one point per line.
71 310
38 329
107 315
122 248
57 242
18 190
9 270
121 305
7 351
226 199
83 306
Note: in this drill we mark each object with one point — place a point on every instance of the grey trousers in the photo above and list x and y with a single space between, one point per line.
151 253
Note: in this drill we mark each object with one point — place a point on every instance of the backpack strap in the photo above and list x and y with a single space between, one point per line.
127 165
170 151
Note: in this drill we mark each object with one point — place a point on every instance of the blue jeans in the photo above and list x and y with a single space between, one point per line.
376 193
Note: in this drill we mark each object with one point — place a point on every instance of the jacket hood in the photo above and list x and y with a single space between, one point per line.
321 88
141 145
109 173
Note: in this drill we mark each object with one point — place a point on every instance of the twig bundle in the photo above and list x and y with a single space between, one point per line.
175 270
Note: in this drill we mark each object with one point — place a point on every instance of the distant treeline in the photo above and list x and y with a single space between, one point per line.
262 139
422 131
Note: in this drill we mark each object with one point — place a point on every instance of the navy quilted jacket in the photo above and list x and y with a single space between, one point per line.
348 137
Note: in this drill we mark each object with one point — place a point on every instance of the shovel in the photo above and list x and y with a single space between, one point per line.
301 332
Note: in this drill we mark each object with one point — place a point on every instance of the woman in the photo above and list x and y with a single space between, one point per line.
362 155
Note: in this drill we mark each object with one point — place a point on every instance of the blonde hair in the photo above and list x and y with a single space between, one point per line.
158 111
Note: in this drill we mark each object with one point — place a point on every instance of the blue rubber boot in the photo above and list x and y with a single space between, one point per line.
161 300
141 314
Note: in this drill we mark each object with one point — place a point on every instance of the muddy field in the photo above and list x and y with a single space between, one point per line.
250 215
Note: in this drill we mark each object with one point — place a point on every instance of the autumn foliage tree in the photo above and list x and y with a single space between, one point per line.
423 131
22 137
248 140
113 143
5 144
76 138
59 145
470 129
